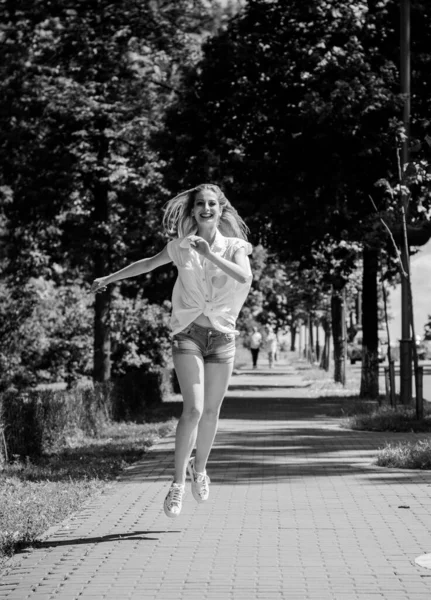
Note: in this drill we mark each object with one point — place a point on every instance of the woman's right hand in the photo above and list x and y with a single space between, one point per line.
99 285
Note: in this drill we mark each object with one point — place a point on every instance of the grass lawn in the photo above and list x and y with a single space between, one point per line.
35 496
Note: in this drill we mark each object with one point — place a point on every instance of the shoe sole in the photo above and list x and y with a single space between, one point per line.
194 493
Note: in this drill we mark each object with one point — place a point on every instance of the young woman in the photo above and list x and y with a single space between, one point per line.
271 344
214 277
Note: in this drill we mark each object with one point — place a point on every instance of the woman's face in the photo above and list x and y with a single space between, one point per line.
206 208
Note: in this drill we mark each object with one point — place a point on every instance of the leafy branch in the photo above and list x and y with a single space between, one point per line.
403 272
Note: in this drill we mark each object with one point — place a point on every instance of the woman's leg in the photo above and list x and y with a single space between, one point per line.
270 358
190 373
217 376
254 354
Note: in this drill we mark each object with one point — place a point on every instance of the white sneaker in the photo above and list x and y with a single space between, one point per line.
174 500
200 482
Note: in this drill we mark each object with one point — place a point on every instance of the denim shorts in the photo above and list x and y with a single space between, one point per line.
208 343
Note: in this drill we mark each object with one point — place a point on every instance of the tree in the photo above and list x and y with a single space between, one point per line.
295 109
283 295
83 89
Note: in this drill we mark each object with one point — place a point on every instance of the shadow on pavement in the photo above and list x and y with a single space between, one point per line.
130 536
292 437
239 386
280 408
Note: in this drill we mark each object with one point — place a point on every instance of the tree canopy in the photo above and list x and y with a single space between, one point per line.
83 88
293 107
296 109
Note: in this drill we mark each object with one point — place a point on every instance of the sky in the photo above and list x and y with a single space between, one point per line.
420 267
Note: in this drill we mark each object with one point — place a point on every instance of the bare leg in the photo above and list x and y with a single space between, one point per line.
190 373
217 376
270 358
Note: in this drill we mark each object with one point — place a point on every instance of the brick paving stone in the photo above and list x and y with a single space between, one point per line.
297 511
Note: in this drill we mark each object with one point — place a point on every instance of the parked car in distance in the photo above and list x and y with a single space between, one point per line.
421 348
354 349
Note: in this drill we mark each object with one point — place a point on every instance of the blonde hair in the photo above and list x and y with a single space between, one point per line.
178 220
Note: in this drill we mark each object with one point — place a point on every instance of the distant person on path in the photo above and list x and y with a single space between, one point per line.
255 343
214 277
271 344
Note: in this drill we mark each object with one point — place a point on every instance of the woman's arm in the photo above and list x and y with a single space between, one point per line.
137 268
238 268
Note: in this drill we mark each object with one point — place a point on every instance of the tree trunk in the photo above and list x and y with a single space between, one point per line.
326 354
370 363
358 308
304 332
338 335
310 339
292 338
102 264
102 337
317 343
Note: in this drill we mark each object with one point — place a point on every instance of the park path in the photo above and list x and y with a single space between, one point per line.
297 511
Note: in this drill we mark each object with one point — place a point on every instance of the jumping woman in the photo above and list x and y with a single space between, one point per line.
210 252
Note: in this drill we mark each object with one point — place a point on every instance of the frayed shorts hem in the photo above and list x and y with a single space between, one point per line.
207 359
211 345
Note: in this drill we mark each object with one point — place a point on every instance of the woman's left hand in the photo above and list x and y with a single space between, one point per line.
200 245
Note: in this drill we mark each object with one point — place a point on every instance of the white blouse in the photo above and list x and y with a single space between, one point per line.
203 288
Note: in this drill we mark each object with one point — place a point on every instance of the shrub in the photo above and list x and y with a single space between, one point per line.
140 335
39 421
129 397
45 333
388 418
406 455
15 312
67 318
35 422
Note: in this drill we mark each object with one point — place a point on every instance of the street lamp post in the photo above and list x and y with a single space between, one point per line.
405 343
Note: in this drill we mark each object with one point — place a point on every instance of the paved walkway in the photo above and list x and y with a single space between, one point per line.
297 511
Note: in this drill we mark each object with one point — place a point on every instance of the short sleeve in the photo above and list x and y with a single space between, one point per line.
238 243
172 248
